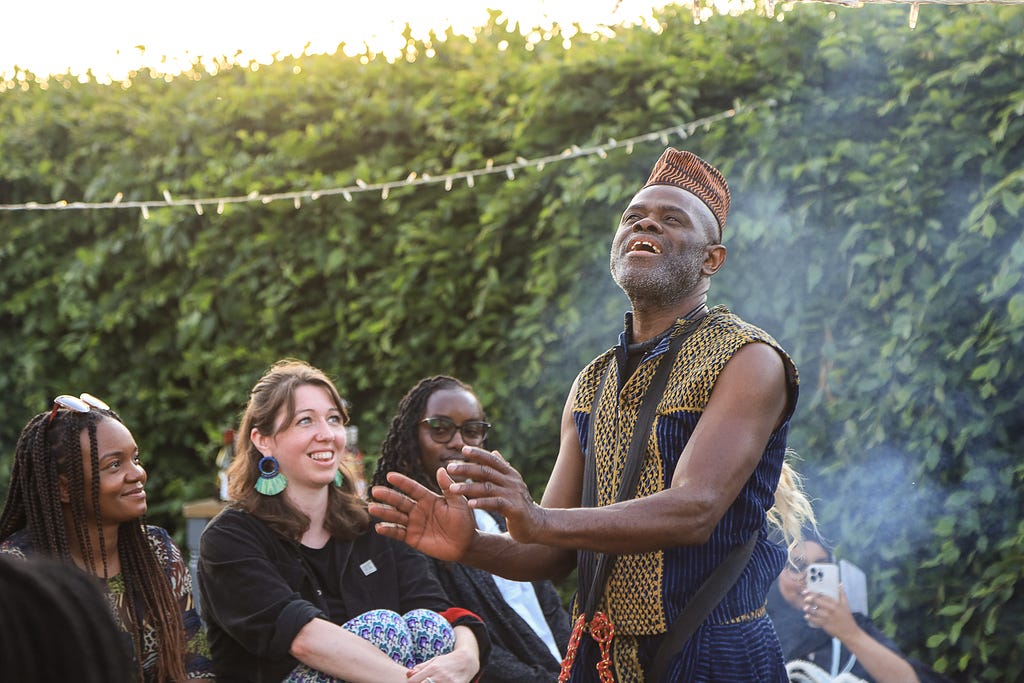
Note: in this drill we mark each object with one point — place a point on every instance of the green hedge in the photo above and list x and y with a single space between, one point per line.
876 231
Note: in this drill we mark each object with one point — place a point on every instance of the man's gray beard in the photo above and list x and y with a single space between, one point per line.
663 286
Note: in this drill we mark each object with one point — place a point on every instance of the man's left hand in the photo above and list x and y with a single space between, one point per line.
490 483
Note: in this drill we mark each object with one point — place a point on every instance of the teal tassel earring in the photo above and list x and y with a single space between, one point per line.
271 481
339 478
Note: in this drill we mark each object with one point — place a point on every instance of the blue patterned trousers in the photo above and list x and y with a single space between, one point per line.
409 639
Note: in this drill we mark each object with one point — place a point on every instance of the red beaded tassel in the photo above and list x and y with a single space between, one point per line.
602 630
570 650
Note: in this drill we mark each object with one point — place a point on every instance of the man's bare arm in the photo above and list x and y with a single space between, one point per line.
747 403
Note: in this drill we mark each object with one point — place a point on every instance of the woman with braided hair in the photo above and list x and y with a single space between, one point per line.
77 496
527 623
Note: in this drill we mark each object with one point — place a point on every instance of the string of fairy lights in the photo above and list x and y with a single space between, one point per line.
413 179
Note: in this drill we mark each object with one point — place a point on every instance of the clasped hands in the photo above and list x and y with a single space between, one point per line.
443 525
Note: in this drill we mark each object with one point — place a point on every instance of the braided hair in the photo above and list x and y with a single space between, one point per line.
401 449
49 453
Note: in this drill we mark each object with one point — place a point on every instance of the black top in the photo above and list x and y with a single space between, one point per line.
323 563
257 591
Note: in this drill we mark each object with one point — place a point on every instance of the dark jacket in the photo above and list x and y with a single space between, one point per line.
518 655
257 592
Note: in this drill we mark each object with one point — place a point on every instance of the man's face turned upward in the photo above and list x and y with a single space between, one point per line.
660 247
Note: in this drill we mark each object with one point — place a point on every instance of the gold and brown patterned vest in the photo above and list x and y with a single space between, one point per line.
646 591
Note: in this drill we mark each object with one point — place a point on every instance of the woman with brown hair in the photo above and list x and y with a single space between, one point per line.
77 495
295 583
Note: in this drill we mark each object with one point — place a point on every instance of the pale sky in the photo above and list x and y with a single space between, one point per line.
53 36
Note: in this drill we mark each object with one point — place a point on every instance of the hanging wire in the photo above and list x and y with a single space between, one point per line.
413 179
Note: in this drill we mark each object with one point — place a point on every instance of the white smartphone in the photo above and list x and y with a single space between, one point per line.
824 578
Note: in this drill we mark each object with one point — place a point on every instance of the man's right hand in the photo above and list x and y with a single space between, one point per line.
440 526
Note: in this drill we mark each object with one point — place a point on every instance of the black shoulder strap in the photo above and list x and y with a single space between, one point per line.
595 567
700 605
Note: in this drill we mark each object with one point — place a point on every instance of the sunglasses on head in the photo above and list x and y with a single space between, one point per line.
442 430
81 404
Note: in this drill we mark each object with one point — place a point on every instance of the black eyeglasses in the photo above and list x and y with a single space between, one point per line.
442 430
82 404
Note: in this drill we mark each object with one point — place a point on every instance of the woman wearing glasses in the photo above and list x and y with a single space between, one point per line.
527 623
295 583
77 495
822 638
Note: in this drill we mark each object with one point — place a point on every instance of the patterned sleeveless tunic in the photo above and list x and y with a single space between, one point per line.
647 591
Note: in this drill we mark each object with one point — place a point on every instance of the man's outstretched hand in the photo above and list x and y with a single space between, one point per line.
440 526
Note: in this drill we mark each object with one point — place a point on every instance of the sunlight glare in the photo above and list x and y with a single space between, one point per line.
111 39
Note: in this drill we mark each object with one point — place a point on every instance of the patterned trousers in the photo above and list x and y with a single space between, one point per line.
409 639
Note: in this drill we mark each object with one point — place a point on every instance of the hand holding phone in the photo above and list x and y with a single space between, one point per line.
823 578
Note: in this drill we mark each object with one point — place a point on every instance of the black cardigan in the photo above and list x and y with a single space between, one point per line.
257 592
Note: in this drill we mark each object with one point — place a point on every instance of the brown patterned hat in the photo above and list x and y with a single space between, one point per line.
693 174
